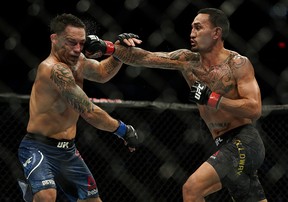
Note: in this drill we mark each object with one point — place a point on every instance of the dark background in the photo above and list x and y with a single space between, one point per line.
258 30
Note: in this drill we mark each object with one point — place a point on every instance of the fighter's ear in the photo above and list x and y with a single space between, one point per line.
217 32
53 37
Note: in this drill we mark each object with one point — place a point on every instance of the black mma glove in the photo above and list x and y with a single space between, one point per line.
123 36
128 133
95 47
202 95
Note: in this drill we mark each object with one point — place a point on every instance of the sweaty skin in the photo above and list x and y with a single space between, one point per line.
223 71
57 101
57 98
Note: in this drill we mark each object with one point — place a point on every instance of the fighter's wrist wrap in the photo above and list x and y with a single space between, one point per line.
121 130
214 100
110 48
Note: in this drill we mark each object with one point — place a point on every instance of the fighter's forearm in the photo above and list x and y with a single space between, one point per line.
100 119
110 67
102 71
139 57
244 108
131 55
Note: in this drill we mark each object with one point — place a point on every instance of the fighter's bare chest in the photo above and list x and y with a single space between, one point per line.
219 77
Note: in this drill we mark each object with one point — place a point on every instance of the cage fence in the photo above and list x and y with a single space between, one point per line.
174 142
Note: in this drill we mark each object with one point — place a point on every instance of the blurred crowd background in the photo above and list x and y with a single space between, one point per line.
258 30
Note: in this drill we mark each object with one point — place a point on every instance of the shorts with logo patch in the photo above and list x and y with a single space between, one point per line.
51 163
240 153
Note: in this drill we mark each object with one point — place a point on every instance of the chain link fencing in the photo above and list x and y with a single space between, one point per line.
174 142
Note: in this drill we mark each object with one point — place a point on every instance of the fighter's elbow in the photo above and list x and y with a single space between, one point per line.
88 117
256 111
255 116
103 80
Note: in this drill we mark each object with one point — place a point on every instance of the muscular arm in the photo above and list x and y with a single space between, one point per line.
102 71
176 60
106 69
64 81
249 104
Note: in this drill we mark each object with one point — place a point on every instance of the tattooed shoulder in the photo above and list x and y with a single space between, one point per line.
61 76
238 61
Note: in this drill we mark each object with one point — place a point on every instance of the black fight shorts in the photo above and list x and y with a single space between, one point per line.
240 153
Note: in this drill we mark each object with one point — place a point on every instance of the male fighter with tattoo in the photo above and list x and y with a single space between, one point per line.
47 152
224 86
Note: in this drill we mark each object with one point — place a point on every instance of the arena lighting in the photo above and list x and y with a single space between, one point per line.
83 6
10 43
281 44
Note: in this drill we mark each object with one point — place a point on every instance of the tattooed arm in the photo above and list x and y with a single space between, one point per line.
102 71
246 103
106 69
177 60
65 83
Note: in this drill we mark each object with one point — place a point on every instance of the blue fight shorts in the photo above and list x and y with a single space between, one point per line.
52 163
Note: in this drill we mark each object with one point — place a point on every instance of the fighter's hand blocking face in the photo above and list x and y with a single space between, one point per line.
128 134
202 95
95 47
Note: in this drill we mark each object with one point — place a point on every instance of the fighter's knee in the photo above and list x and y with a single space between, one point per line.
185 189
98 199
190 187
45 195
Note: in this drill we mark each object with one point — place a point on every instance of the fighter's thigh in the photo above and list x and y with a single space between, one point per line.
205 180
77 180
91 200
36 169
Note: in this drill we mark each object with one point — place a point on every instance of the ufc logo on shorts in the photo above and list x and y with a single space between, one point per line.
218 140
27 162
63 145
198 91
